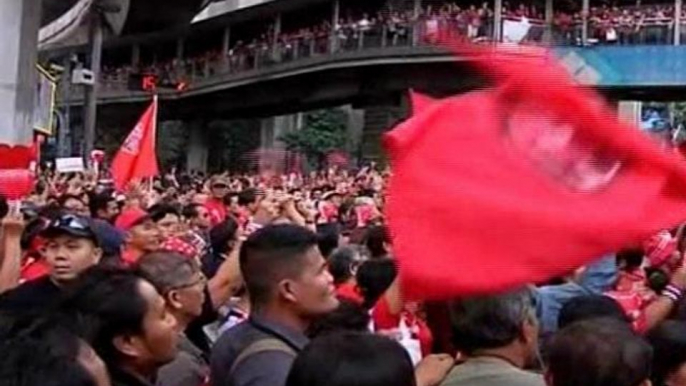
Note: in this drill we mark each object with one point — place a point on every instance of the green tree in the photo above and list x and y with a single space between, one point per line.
324 131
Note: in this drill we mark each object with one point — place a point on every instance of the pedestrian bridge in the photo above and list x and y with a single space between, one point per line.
382 72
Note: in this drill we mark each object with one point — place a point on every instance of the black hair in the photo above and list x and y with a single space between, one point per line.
374 277
99 201
328 235
375 240
336 360
341 264
222 234
348 316
31 231
630 258
4 207
247 197
42 353
160 211
110 296
190 211
598 352
669 349
271 254
590 307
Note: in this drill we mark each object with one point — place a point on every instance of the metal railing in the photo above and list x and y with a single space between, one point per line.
261 56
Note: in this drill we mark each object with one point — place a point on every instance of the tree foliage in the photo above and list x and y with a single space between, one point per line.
324 131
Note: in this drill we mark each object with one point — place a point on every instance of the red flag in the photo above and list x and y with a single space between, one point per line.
420 102
520 183
137 158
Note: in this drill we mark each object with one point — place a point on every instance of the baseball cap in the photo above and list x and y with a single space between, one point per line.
72 225
659 248
129 218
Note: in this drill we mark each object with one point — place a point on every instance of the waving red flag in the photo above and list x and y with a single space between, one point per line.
137 158
420 102
520 183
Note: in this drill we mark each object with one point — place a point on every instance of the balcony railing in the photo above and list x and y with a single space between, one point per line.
262 56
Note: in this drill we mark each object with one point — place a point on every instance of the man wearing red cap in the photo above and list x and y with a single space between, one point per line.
141 234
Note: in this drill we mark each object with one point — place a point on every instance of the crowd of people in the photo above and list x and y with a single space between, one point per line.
290 279
640 24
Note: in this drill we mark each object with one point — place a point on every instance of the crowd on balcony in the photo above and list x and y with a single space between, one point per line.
640 24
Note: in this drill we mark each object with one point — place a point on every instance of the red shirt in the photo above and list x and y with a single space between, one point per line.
216 209
130 257
349 291
385 320
34 269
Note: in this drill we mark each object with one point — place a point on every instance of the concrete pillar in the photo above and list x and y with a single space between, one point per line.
275 38
135 55
498 20
91 107
19 23
267 139
585 12
549 15
677 22
180 47
226 42
335 22
198 148
416 29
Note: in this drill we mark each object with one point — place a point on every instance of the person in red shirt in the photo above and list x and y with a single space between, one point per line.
141 234
215 203
343 264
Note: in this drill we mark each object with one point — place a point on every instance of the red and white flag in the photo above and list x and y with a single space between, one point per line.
137 158
519 183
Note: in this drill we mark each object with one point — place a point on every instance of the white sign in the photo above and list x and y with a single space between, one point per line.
69 165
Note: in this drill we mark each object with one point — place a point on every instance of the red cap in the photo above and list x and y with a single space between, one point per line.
659 248
129 218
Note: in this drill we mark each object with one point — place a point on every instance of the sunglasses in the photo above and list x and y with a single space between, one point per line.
220 186
69 221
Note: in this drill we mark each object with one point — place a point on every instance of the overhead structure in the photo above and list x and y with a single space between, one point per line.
65 22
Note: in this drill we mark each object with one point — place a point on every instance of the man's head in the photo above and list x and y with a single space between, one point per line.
219 187
248 198
598 352
282 267
71 247
74 205
343 263
197 216
167 218
141 232
178 279
590 307
505 322
104 206
45 353
134 329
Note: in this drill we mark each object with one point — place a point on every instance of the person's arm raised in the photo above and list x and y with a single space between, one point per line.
10 261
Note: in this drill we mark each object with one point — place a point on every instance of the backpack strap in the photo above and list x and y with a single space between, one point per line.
262 345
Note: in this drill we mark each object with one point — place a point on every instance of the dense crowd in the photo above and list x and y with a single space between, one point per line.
290 279
640 24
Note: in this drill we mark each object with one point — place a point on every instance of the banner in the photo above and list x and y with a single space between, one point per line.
44 102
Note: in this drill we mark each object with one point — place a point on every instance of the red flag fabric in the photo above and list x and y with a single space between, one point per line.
520 183
137 158
420 102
